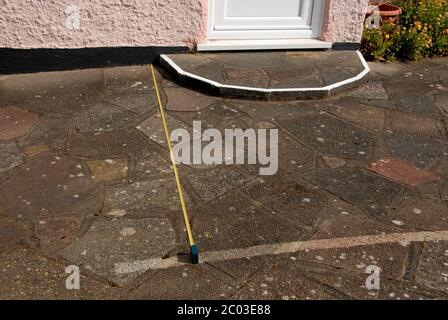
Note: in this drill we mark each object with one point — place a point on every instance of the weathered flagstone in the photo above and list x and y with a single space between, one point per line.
139 102
294 201
10 156
332 136
421 151
180 99
402 172
422 214
26 275
212 183
129 78
102 117
183 283
147 198
27 193
371 90
153 127
277 284
233 221
50 132
54 234
407 290
433 267
372 193
109 169
416 104
271 111
368 117
110 246
149 163
106 145
15 122
11 232
408 123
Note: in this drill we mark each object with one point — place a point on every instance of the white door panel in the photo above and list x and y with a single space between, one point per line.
264 19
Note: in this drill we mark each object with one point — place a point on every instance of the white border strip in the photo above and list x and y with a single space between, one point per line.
285 248
328 88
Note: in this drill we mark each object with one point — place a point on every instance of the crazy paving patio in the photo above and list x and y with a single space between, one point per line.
85 180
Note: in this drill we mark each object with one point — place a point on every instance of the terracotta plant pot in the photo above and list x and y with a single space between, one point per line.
387 11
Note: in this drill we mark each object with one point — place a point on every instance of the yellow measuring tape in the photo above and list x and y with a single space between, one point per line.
193 246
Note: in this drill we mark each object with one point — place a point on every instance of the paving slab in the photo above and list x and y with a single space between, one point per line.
234 221
106 145
433 267
209 184
421 213
184 283
402 172
15 122
50 132
142 198
128 78
421 151
139 102
26 194
12 232
55 234
181 100
153 128
295 201
367 191
149 163
110 243
277 284
411 124
27 275
332 136
108 169
10 156
102 117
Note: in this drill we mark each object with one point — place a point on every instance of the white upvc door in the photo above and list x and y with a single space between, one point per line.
265 19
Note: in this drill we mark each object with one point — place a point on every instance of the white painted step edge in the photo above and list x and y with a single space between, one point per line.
278 44
328 88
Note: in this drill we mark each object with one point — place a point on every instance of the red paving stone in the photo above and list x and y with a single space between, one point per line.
15 122
402 172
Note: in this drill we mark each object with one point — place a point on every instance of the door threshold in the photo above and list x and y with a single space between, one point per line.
267 44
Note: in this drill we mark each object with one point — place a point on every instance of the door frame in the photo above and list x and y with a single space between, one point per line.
316 25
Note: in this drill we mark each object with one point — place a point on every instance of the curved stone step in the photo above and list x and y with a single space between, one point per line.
280 75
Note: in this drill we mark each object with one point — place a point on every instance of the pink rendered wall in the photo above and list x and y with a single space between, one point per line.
109 23
343 20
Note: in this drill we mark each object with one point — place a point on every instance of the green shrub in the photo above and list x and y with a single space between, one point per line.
420 31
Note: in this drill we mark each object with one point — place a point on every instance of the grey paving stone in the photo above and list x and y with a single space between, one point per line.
142 198
26 194
234 221
209 184
149 163
423 152
51 132
422 214
183 283
27 275
102 117
139 102
276 284
418 104
106 145
371 90
108 245
128 78
295 201
11 232
55 234
10 156
367 191
332 136
153 128
433 267
180 99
